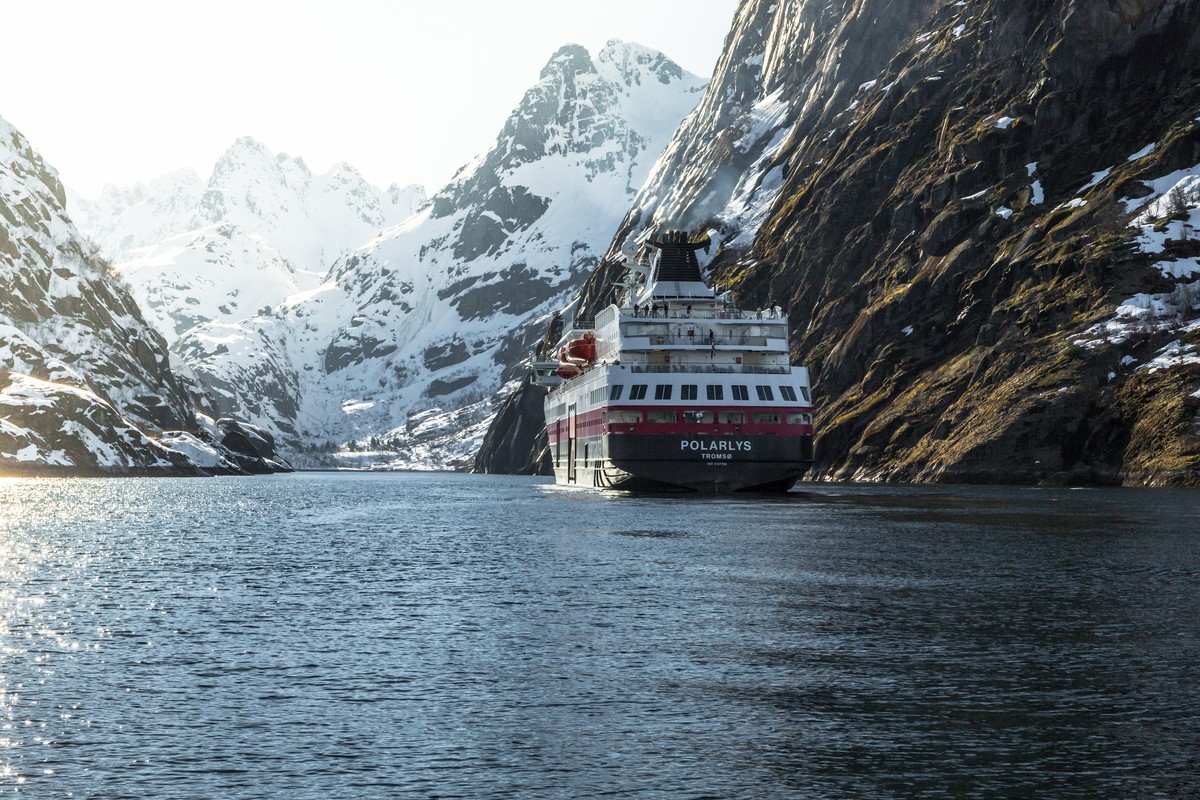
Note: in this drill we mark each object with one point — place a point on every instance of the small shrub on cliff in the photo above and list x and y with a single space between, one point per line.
1178 206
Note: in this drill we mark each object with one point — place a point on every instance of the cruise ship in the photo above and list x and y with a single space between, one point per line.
674 388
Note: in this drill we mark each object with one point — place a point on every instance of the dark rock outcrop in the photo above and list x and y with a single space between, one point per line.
55 429
506 449
250 447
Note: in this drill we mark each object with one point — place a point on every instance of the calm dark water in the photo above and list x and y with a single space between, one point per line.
342 636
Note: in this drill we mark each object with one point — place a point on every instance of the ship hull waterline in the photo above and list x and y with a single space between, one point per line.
680 463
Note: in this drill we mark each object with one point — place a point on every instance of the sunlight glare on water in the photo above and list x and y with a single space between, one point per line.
323 635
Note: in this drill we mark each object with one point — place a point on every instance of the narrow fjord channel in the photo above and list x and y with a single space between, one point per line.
437 635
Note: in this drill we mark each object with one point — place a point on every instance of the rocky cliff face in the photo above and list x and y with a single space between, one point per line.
404 345
81 373
260 229
981 219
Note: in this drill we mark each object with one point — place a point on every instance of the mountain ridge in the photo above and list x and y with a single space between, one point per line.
261 228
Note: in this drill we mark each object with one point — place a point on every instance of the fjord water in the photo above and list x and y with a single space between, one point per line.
417 635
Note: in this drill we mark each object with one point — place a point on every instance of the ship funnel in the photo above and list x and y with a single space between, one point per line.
678 260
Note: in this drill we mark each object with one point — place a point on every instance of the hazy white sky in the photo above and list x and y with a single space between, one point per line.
126 90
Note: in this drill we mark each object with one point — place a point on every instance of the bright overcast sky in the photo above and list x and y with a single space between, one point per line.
124 90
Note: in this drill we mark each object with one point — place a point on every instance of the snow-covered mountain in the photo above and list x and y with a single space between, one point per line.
262 228
405 344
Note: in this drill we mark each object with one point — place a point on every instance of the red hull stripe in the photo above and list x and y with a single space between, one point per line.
591 423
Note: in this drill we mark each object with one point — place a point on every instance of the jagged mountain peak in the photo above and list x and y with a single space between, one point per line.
172 181
260 228
411 196
249 144
631 60
576 109
244 150
568 60
344 170
249 160
18 153
121 196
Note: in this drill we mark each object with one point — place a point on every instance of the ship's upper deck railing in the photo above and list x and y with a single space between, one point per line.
699 341
729 369
702 313
681 311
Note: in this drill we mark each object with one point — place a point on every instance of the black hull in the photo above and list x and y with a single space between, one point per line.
674 463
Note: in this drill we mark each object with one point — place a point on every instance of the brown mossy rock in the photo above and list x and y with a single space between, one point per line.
939 329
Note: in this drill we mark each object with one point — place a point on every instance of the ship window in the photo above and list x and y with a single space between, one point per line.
799 419
715 392
788 393
615 392
638 392
767 419
662 391
687 393
804 394
623 417
741 393
661 417
765 393
698 417
732 417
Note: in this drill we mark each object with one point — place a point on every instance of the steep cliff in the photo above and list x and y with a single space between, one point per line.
980 217
81 374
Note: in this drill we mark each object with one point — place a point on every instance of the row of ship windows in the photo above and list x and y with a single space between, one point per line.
705 417
663 391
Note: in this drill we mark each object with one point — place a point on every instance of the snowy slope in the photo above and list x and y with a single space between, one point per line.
429 316
260 229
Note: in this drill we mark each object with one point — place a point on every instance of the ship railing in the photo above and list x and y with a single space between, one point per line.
698 340
727 369
705 313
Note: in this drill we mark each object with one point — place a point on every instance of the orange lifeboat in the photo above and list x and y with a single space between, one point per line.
568 371
583 349
576 356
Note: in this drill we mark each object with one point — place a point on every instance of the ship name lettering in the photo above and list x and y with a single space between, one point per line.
723 445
